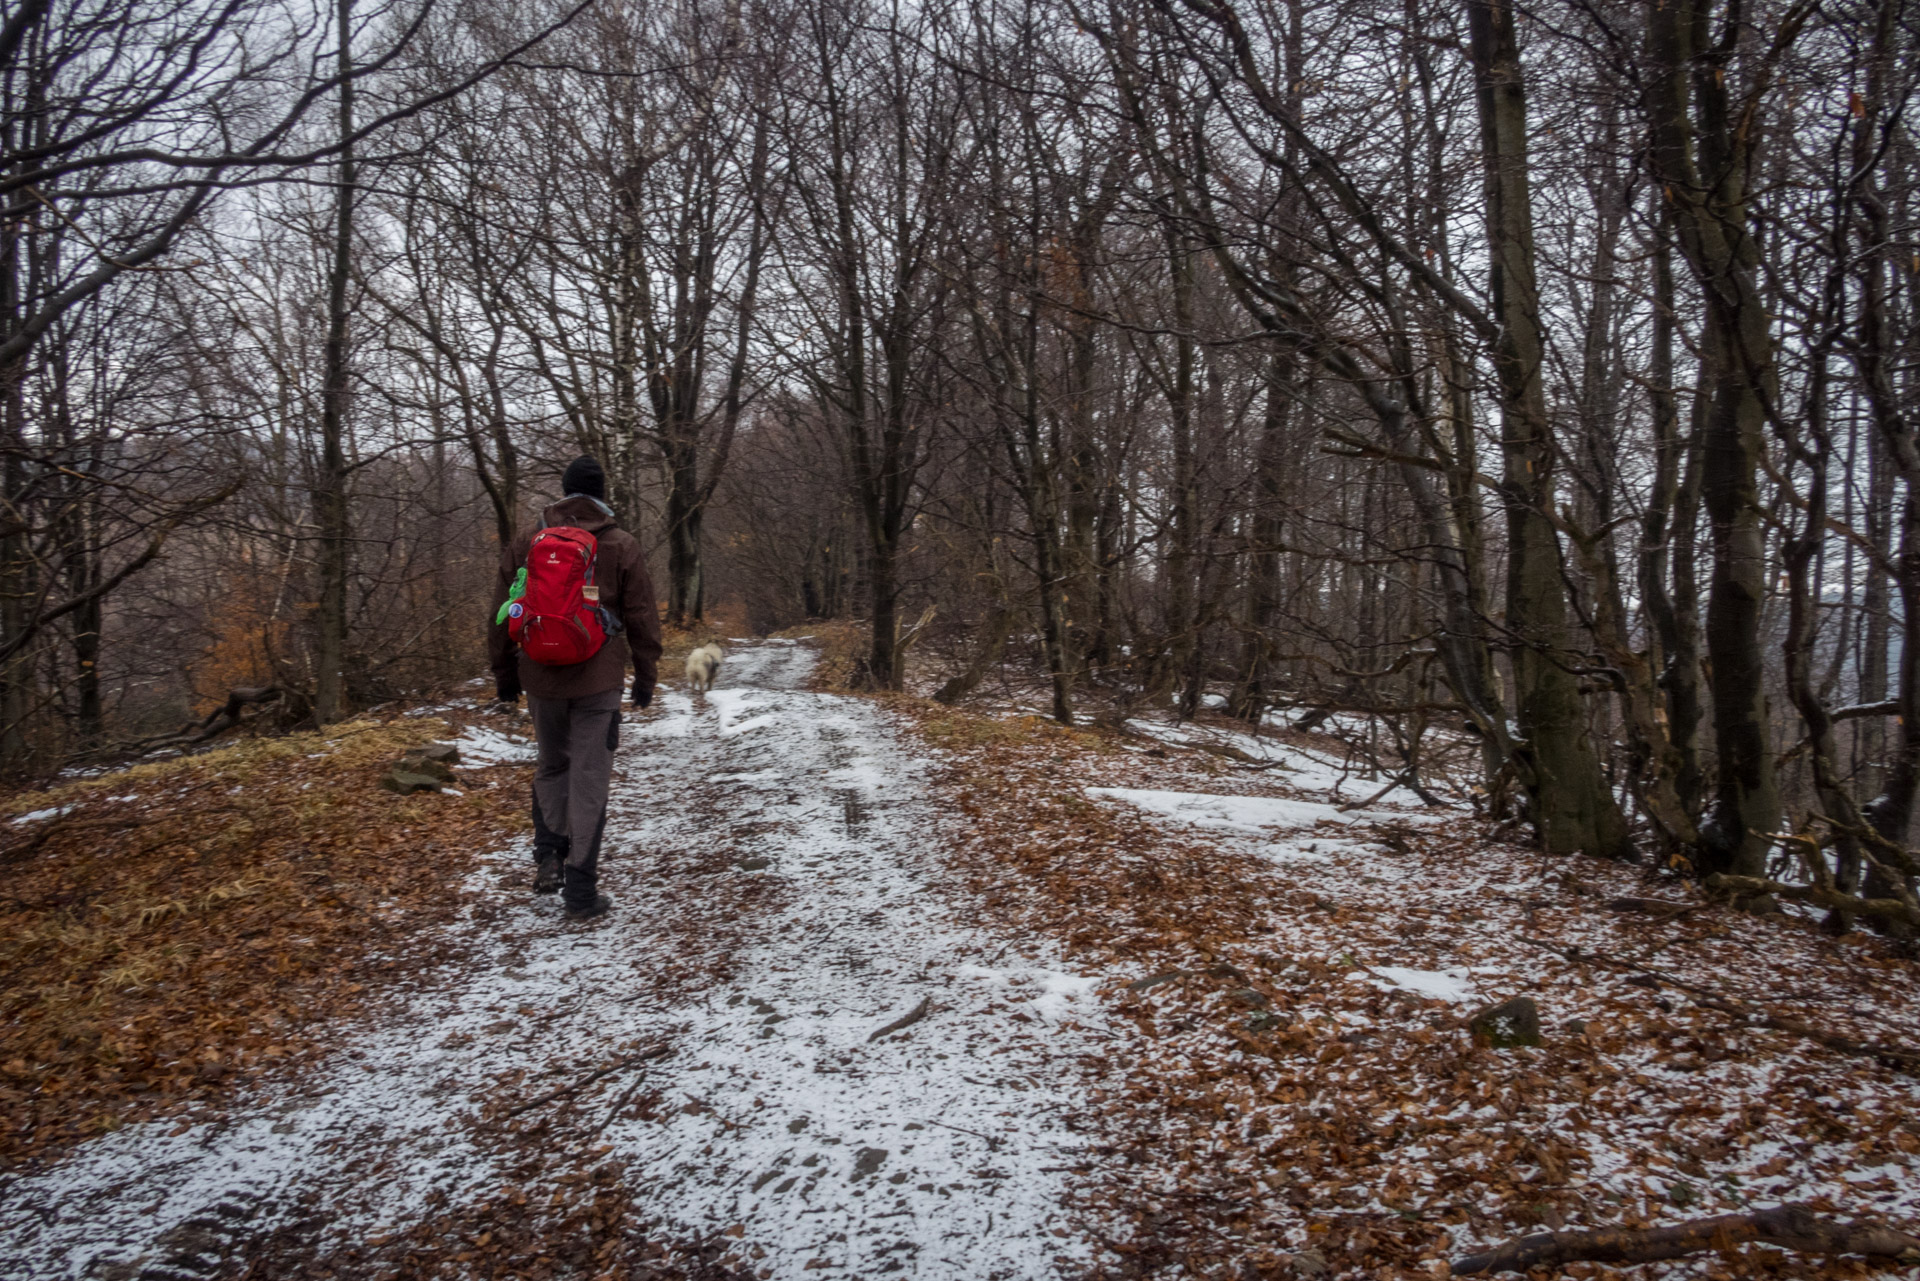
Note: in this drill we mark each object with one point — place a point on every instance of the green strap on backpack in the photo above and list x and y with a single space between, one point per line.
518 590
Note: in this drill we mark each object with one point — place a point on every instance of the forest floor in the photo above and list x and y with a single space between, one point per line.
892 989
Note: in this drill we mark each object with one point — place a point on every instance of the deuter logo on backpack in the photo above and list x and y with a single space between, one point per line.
554 612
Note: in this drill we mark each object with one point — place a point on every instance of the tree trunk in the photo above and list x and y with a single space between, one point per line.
1870 741
1571 806
1690 115
1876 348
618 443
989 646
1798 554
330 494
1666 547
1653 764
685 585
85 574
1746 806
1461 572
1053 619
16 564
1254 693
1181 566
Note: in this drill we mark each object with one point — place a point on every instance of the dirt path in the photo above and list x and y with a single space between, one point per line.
779 899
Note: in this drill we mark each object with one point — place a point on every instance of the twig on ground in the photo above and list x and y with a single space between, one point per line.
1794 1227
908 1019
654 1052
619 1106
993 1143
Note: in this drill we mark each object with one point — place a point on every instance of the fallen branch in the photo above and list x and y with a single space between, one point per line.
1407 779
1794 1227
1227 750
228 715
1905 1060
655 1052
1665 909
908 1019
1885 909
1888 707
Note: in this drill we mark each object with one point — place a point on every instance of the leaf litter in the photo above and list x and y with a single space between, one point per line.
1181 1018
178 929
1305 1098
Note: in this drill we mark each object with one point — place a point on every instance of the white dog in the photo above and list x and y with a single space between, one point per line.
702 666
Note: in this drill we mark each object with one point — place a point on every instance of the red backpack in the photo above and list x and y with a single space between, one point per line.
557 619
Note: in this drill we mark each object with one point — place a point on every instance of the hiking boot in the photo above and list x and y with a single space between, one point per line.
599 907
546 878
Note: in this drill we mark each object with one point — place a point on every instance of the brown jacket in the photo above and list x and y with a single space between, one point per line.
625 588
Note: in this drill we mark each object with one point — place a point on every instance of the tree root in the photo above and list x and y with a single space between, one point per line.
1884 909
1794 1227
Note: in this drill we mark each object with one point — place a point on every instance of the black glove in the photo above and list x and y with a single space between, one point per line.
642 694
507 688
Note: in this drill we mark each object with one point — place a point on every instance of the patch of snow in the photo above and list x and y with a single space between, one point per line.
35 816
733 704
1244 815
1307 769
480 745
1051 994
452 705
1302 851
1442 985
1062 994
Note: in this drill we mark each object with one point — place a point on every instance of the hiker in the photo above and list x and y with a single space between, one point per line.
573 601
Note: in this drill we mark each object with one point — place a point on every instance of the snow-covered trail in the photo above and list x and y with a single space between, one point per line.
778 899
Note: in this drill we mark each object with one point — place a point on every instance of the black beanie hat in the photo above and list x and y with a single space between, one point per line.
583 476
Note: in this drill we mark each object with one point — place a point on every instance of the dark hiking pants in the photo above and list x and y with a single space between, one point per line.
576 737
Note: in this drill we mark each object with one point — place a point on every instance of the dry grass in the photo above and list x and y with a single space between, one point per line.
958 730
186 924
843 648
351 743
